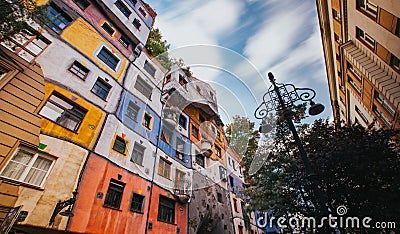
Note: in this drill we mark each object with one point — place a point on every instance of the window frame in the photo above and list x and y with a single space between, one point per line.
66 111
138 148
395 62
184 122
116 192
136 23
123 8
218 151
164 168
120 139
141 203
104 55
29 166
106 26
83 4
147 123
164 206
124 41
132 109
179 182
368 7
178 154
144 88
149 68
79 70
366 39
196 131
61 16
101 86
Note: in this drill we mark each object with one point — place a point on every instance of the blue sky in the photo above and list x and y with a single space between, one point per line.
233 44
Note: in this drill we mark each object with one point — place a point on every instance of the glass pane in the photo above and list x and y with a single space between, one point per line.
14 170
51 111
35 176
42 163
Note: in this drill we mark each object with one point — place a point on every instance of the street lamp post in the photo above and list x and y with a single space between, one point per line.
280 97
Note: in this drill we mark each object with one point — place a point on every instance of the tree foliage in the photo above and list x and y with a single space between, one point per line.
14 15
355 167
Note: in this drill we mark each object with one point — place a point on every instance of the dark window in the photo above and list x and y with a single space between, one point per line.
222 173
141 10
123 8
147 120
57 18
108 58
114 194
398 27
219 136
132 111
395 62
218 151
124 41
381 115
63 111
83 4
240 229
164 168
119 145
235 206
136 23
183 121
231 181
195 132
138 153
143 87
201 118
368 7
336 15
179 148
101 88
137 202
219 197
149 68
166 210
182 80
384 103
337 38
365 38
78 69
107 27
200 159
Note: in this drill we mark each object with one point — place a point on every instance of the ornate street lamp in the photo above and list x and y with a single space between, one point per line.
61 205
281 97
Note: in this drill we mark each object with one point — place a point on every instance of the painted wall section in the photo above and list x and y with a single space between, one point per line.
86 39
89 128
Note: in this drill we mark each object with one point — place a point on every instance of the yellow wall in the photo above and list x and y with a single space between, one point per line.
86 39
86 136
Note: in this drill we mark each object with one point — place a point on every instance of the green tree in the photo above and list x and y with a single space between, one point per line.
14 15
355 167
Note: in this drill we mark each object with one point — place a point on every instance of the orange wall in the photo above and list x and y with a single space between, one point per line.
92 217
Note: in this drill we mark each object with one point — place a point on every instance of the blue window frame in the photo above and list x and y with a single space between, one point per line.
58 19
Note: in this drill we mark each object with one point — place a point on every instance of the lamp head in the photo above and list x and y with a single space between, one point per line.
67 213
265 127
316 109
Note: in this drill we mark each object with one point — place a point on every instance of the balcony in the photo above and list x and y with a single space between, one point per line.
181 196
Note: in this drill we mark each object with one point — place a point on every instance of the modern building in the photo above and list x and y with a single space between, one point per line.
361 43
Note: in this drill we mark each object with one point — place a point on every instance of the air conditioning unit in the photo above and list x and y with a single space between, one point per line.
138 49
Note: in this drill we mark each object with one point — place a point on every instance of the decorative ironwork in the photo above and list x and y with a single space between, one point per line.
281 96
61 205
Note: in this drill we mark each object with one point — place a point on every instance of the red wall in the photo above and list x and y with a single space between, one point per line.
90 216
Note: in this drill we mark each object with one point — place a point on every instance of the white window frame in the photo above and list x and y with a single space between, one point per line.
29 166
100 48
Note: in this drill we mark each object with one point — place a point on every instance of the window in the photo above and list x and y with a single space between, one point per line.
108 28
83 4
166 135
149 68
202 119
336 15
78 69
124 41
164 168
147 120
364 118
384 103
395 62
179 180
136 23
368 7
132 111
222 173
240 229
364 37
218 151
183 121
235 206
141 10
182 80
143 87
200 159
58 20
101 88
398 27
195 132
354 71
123 8
168 78
27 44
179 148
28 166
219 198
138 153
114 194
166 210
337 38
108 58
219 136
354 84
137 202
119 145
382 116
63 111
